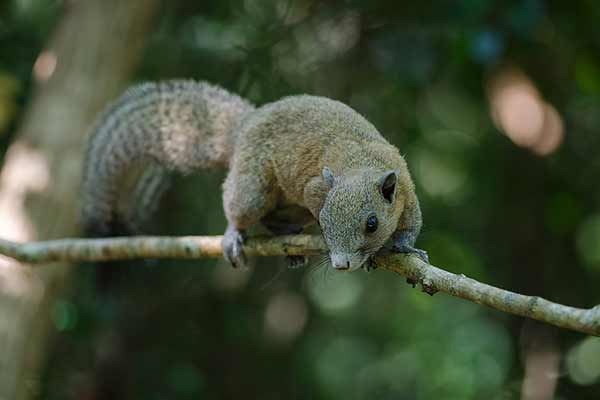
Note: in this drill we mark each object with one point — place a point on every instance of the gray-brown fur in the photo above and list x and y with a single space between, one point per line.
292 162
180 125
154 181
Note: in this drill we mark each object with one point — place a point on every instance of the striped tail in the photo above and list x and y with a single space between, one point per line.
172 126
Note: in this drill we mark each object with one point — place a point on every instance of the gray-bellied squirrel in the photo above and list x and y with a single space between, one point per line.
293 162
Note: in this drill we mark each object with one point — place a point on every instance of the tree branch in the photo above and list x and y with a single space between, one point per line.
431 279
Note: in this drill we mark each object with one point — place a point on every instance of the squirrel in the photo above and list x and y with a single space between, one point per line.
293 162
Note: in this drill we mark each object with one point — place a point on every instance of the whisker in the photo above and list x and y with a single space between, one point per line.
319 266
273 279
319 262
326 275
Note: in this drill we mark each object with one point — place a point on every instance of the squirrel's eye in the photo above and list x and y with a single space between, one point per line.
372 224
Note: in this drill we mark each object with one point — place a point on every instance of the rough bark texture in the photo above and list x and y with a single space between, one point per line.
431 279
87 62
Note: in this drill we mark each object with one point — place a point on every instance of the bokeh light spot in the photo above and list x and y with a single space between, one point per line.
520 112
45 65
583 361
340 360
440 176
338 292
487 46
552 132
285 316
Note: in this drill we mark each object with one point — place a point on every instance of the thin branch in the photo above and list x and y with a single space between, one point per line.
431 279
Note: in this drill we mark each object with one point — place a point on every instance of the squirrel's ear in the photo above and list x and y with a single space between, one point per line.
387 185
315 193
328 177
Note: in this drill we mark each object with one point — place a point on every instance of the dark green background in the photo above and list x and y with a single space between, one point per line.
492 210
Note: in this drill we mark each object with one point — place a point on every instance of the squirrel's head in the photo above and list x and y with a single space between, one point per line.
359 215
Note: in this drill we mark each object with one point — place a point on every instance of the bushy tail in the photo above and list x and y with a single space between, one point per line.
169 126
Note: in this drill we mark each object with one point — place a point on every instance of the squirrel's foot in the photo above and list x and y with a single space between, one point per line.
277 229
369 265
403 242
233 250
296 261
405 248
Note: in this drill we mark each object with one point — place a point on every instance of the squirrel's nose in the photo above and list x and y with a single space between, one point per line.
340 262
342 266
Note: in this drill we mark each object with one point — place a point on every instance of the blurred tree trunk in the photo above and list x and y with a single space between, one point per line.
92 53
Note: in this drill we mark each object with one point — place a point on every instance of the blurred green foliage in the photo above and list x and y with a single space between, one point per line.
494 211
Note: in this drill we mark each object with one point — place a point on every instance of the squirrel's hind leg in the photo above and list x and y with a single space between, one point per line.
278 228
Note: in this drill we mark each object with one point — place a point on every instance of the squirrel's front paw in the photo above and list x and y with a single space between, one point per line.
233 250
405 248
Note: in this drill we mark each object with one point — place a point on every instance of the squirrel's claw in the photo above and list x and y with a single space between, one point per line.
233 249
403 242
296 261
369 265
405 248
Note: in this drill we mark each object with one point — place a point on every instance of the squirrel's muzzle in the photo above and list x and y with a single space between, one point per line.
347 262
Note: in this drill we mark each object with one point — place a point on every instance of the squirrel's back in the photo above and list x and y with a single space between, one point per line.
178 125
299 135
